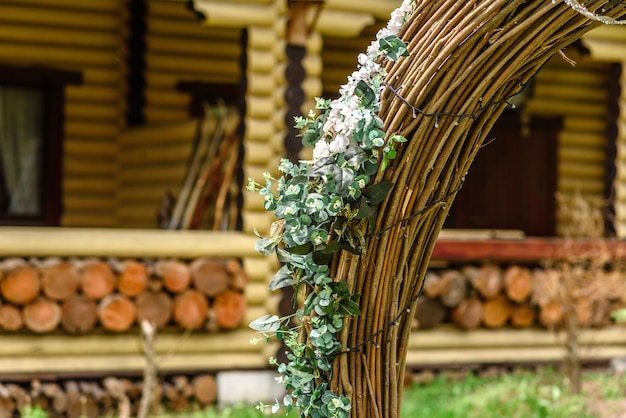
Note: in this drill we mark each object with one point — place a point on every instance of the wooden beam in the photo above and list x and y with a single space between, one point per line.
520 250
94 242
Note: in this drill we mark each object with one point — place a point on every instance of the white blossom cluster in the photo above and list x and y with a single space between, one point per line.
345 111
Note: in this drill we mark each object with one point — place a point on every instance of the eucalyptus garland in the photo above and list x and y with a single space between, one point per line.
324 206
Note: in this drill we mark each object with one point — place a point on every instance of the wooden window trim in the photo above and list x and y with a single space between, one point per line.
51 82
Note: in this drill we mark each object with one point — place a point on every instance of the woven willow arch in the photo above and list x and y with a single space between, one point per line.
467 58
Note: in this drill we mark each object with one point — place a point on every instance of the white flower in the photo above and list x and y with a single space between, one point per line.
339 143
344 113
321 150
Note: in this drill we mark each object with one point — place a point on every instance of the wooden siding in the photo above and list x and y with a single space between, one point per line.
608 44
339 58
28 353
620 181
448 347
264 124
580 95
86 37
152 163
179 49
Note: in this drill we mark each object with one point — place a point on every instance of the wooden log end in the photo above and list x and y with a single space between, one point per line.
133 278
97 280
117 313
230 309
176 275
190 309
21 285
42 315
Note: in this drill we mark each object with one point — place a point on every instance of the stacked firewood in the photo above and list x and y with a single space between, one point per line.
494 296
80 295
110 396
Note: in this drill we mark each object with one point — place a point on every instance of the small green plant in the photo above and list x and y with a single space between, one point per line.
30 411
521 394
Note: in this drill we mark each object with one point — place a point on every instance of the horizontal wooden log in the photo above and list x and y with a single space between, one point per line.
91 184
523 250
90 220
588 139
584 124
107 363
546 106
157 154
568 91
464 356
93 242
262 61
261 83
606 50
166 26
258 130
193 65
235 341
88 203
159 133
62 18
166 98
162 115
581 154
232 15
92 6
93 94
152 173
133 194
56 54
581 185
60 36
574 169
89 166
227 49
77 146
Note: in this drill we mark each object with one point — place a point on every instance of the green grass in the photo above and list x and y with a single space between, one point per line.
522 395
516 395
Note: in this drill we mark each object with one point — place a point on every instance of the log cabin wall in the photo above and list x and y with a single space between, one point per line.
620 186
153 158
87 37
580 95
179 49
264 23
48 327
608 45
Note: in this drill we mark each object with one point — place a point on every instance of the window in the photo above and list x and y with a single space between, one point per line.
512 181
31 132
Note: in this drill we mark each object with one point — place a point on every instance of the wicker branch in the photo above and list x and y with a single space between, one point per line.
466 59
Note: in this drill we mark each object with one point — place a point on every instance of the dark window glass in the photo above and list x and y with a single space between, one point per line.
21 145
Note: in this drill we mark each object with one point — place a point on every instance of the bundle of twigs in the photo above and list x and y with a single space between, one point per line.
467 58
210 173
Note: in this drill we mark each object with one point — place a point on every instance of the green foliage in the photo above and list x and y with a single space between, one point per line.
30 411
325 206
522 395
237 411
